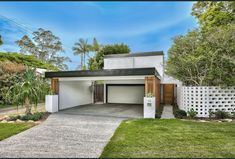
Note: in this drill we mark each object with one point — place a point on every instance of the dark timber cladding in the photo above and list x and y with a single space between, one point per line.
105 72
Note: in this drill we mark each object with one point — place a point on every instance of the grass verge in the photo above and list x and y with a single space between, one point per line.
9 129
171 138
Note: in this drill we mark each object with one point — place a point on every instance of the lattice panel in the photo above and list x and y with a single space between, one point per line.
203 99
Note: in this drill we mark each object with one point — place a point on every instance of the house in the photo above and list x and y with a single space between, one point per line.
126 78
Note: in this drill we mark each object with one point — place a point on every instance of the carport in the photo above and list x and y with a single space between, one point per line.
123 90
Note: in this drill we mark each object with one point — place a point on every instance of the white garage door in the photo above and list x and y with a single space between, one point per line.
125 94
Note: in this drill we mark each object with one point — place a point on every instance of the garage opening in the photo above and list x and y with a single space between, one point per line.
125 93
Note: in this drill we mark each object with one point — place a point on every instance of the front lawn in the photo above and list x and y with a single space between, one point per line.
9 129
171 138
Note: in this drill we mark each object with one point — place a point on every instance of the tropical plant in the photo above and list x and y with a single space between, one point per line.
82 48
45 46
29 91
192 113
10 73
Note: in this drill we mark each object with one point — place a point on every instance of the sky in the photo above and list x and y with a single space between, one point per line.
143 26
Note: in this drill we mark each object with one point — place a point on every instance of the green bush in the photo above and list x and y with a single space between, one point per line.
14 118
192 113
220 114
180 113
35 117
233 115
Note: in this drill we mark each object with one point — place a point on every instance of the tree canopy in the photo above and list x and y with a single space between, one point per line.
45 46
28 60
213 14
206 55
97 62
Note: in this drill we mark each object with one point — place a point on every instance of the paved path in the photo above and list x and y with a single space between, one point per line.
167 112
62 135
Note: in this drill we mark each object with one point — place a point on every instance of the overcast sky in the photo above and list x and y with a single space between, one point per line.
144 26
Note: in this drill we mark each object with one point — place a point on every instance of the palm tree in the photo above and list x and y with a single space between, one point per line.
30 91
82 48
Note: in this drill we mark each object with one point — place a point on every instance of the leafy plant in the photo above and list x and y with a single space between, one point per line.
192 113
29 91
14 118
220 114
211 113
28 60
180 113
35 117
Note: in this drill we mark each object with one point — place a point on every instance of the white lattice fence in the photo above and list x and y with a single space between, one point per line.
202 99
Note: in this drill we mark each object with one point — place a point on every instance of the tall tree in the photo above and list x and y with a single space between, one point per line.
92 63
214 14
204 59
82 48
1 41
45 46
97 62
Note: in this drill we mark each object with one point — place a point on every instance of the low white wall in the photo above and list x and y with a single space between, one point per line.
74 93
202 99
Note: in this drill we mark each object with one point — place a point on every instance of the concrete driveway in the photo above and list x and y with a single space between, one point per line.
108 110
64 134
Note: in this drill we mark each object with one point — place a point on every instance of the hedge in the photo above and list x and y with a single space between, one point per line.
28 60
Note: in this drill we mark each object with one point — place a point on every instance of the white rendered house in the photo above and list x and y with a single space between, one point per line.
126 78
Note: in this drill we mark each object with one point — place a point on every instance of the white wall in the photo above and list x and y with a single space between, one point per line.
74 93
135 62
126 94
202 99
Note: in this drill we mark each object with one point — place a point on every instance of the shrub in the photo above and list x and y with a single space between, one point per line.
233 115
180 113
211 113
220 114
35 117
14 118
192 113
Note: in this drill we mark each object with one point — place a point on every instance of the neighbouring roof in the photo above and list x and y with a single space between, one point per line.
153 53
105 72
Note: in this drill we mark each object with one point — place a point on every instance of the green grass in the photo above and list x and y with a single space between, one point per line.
9 129
171 138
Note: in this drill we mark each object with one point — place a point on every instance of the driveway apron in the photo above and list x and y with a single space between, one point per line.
62 135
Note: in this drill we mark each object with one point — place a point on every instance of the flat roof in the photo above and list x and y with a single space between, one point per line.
105 72
152 53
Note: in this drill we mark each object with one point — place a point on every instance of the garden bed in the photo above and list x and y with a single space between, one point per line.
36 118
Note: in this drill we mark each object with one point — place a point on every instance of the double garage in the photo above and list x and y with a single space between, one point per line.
75 93
116 87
